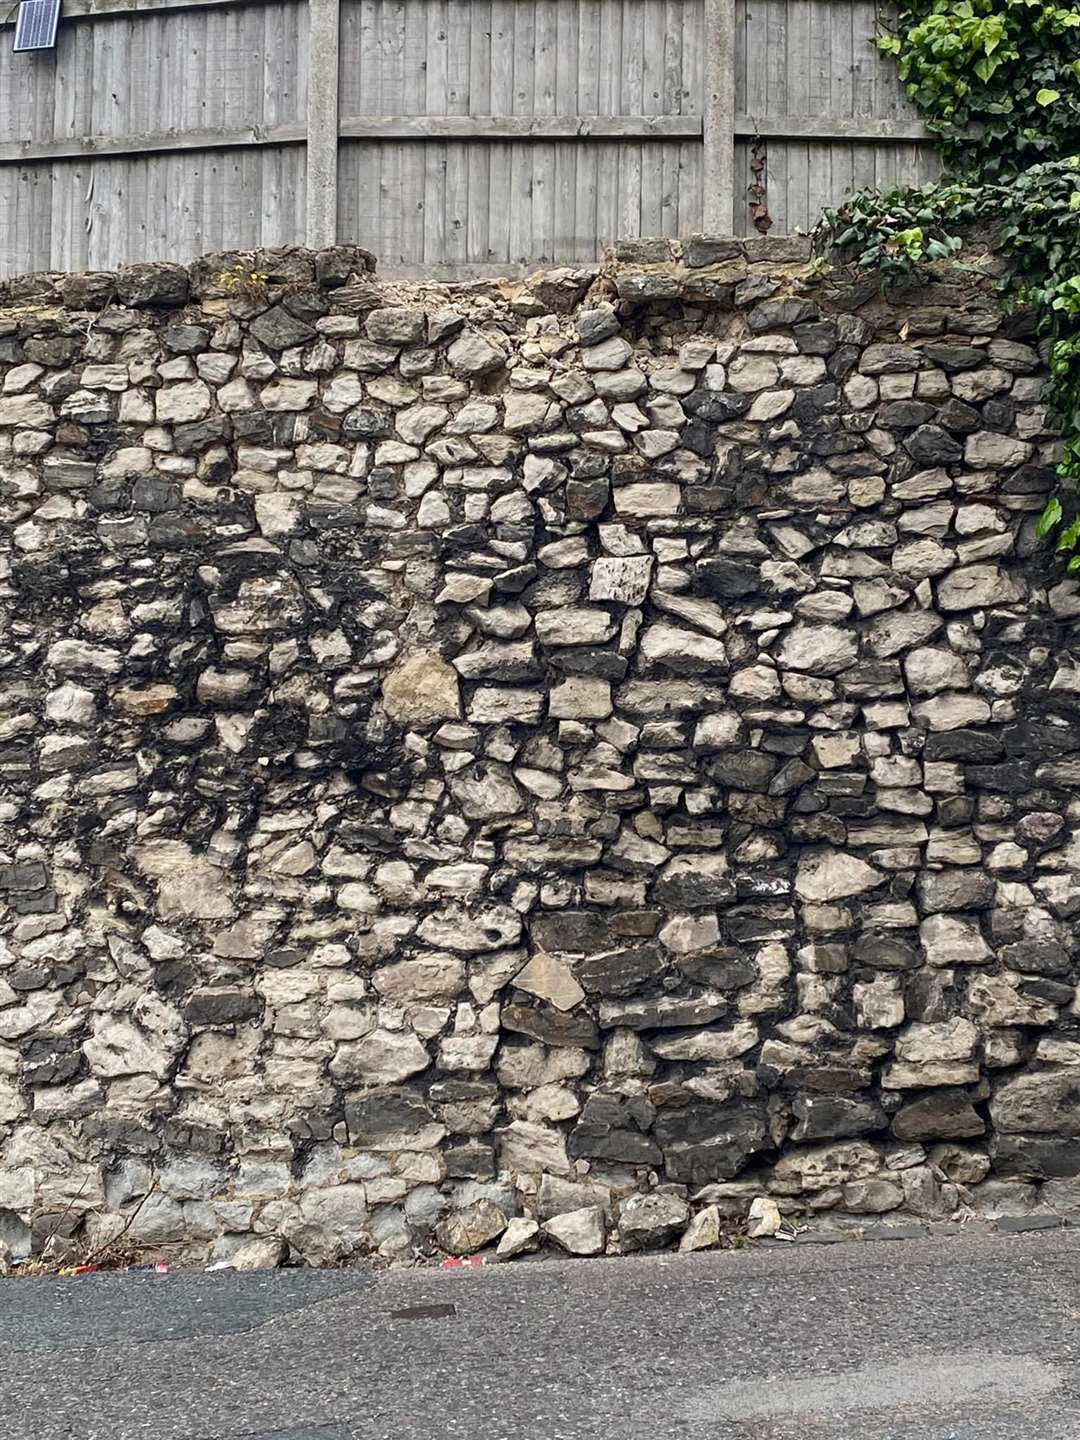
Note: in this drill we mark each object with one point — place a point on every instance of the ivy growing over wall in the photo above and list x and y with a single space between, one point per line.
998 83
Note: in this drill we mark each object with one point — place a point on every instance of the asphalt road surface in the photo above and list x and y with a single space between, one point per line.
947 1339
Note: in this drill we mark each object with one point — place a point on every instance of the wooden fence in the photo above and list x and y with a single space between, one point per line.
451 137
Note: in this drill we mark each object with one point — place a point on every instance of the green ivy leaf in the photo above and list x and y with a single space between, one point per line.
1068 538
1049 517
1047 97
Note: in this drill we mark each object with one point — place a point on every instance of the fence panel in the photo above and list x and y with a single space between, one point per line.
496 134
475 136
828 108
140 136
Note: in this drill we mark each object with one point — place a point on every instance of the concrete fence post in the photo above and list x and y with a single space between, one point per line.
718 116
322 123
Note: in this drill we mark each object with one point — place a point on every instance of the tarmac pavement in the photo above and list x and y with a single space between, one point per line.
943 1339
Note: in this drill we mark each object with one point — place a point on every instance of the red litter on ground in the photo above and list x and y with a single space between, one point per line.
457 1263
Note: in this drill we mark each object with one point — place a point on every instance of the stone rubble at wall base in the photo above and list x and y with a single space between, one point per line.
594 751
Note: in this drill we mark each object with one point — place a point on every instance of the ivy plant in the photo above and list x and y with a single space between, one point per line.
998 84
998 81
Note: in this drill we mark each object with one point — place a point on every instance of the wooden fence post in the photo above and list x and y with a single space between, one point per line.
718 119
322 123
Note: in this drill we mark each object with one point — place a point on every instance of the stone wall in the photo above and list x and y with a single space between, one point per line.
595 750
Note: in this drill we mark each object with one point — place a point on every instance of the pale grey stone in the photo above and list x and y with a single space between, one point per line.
987 449
975 586
550 979
625 579
645 499
421 690
820 649
763 1217
610 354
473 354
684 651
385 1057
578 1232
928 671
521 1234
831 875
465 1231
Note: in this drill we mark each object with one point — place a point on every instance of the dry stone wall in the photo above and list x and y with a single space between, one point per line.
592 751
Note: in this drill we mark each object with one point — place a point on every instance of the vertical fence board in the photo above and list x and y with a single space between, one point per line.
520 195
478 217
545 98
632 74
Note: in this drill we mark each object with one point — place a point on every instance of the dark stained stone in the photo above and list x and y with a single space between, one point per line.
550 1026
1035 1157
715 407
886 950
221 1007
954 357
701 250
703 1142
578 931
152 284
666 1014
378 1117
1037 957
955 889
725 578
784 311
941 1115
277 329
834 1117
620 972
718 970
743 769
977 746
931 445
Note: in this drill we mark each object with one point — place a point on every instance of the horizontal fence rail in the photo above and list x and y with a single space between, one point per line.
451 137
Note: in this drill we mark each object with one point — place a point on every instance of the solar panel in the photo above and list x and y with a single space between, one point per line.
35 28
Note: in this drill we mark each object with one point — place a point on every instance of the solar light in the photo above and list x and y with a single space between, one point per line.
35 27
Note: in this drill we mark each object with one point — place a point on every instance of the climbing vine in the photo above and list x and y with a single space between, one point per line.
998 81
998 84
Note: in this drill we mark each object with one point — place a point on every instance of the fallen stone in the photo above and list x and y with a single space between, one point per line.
521 1235
578 1232
263 1253
704 1231
650 1222
463 1232
763 1218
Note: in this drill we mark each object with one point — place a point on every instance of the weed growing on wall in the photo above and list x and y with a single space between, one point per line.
998 83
